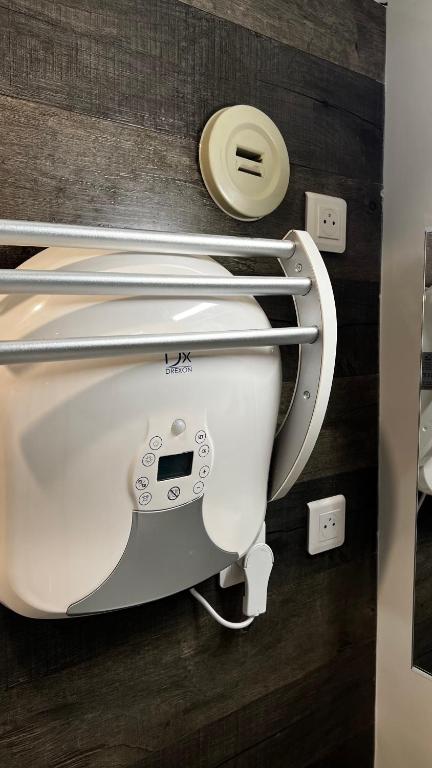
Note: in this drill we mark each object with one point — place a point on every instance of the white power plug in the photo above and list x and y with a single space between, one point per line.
258 564
234 574
255 568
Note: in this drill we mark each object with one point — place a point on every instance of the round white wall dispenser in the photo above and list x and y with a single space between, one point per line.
244 162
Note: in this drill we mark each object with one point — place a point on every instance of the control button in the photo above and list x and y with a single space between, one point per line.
198 487
200 436
204 471
173 493
142 483
178 426
145 499
204 450
155 443
148 459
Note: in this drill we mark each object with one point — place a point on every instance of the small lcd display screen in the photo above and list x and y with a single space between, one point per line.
176 465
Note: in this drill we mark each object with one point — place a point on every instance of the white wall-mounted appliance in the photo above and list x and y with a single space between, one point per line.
140 386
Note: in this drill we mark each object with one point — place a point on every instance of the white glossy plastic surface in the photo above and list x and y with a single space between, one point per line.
71 432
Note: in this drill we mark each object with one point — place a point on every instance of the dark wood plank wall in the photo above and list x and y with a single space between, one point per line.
422 624
350 34
422 634
101 108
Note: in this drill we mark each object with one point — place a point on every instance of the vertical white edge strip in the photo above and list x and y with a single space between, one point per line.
299 432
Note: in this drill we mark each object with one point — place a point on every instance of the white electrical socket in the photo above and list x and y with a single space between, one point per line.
328 523
326 528
326 221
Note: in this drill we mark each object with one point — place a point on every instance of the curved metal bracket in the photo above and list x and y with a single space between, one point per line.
301 427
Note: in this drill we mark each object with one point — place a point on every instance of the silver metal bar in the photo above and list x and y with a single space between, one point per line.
36 233
106 283
36 351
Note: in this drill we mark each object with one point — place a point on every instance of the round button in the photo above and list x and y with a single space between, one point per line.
178 426
204 471
142 483
145 499
173 493
198 487
200 436
155 443
204 450
148 459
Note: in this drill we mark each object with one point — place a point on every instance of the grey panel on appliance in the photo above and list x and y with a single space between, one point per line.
166 552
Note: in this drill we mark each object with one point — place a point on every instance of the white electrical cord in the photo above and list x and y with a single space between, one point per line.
215 615
420 501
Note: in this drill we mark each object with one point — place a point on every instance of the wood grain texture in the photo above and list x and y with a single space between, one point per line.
349 437
121 176
348 32
101 106
357 752
300 740
422 634
157 64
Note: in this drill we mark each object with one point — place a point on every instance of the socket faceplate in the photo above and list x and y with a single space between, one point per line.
326 529
326 221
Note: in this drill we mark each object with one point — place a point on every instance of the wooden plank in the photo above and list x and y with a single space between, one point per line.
140 178
357 306
289 719
178 66
356 752
135 690
348 438
351 34
303 742
422 643
422 638
159 44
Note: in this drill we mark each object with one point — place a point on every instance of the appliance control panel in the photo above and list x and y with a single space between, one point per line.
173 464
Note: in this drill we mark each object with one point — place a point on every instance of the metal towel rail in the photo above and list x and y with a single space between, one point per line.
41 234
112 283
109 283
109 346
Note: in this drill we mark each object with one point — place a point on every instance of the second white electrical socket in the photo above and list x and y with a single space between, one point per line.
326 528
326 221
